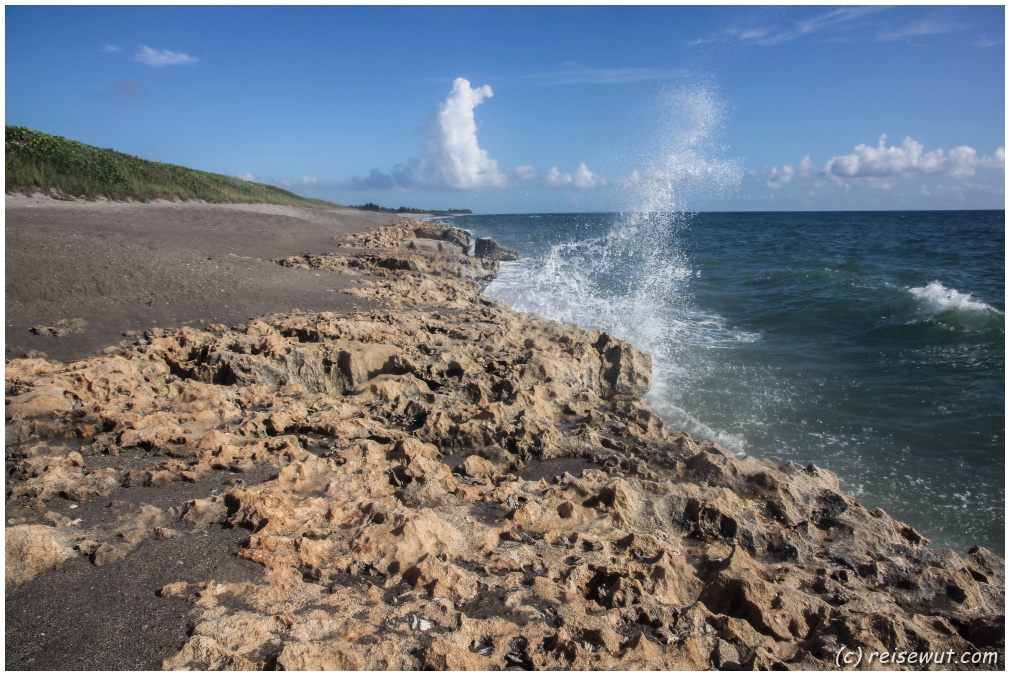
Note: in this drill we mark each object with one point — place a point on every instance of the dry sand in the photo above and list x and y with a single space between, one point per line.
123 267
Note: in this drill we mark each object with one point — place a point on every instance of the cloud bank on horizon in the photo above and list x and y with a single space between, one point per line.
452 159
583 177
909 159
881 165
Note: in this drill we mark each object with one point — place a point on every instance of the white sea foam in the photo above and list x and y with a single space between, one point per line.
938 299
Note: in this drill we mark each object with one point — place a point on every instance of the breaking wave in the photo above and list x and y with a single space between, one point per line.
937 299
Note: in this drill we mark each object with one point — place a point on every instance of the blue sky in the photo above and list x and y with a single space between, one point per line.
528 109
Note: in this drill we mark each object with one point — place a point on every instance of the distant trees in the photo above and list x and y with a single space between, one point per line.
371 206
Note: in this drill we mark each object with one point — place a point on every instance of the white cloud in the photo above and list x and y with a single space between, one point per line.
451 158
459 162
309 180
829 21
939 22
996 161
110 49
844 24
247 176
872 176
909 159
583 178
779 177
555 179
525 172
986 41
833 22
162 57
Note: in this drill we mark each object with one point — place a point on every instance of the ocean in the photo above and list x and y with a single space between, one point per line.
868 343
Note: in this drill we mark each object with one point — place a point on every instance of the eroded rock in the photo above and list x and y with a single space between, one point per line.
31 549
485 247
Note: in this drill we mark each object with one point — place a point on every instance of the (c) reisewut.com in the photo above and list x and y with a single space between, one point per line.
847 657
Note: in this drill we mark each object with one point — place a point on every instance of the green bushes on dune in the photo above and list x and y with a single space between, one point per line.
39 162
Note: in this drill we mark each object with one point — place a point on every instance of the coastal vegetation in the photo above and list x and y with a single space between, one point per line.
59 167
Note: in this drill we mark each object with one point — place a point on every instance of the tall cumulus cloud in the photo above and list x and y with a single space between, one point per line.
451 158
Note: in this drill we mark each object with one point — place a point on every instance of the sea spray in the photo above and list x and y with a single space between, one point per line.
682 168
630 273
624 280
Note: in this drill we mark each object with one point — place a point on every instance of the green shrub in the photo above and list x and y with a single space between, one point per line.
38 162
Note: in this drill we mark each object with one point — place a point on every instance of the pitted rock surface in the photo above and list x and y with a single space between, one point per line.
454 485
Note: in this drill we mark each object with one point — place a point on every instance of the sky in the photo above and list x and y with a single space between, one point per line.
523 109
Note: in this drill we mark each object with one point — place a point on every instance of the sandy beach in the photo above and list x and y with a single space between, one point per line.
250 437
129 267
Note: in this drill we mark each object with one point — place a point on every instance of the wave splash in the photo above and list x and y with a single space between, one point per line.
634 278
683 169
638 288
937 299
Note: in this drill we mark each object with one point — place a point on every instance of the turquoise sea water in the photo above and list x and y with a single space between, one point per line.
869 343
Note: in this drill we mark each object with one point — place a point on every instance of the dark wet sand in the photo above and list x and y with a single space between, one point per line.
82 617
130 267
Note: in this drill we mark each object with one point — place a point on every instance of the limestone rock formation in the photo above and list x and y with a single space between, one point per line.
450 484
485 247
31 549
